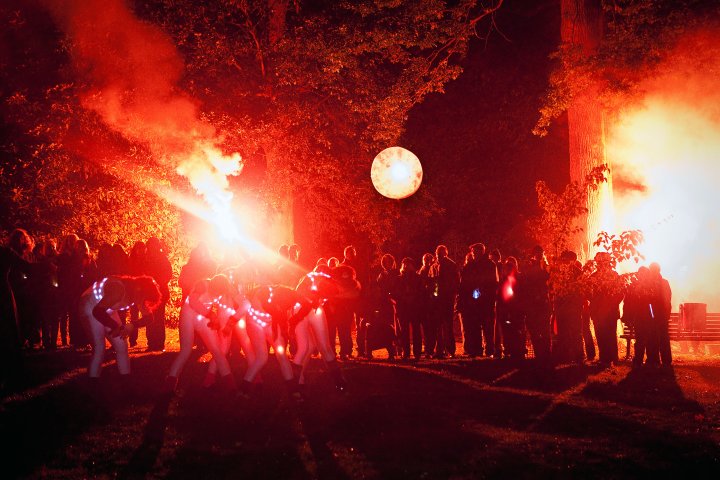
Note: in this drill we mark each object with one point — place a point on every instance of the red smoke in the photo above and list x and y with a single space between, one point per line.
129 71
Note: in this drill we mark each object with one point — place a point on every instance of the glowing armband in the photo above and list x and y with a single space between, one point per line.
97 289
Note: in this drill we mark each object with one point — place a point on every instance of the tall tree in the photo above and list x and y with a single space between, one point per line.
581 33
307 92
609 48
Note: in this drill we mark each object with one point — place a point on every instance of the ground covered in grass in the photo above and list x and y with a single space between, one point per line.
459 418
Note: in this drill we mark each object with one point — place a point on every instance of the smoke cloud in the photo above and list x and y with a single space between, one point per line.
666 163
130 70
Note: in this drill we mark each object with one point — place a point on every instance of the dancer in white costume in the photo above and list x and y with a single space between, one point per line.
274 310
99 307
201 314
232 319
312 332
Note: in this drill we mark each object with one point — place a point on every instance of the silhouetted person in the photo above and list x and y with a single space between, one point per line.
476 301
11 359
66 254
382 331
83 274
47 293
532 287
341 309
428 320
136 266
350 259
588 339
662 304
409 308
447 277
605 297
22 244
158 267
637 315
568 305
510 312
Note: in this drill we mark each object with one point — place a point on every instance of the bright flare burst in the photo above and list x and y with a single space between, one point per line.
666 170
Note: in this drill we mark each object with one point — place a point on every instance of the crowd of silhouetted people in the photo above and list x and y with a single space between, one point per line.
499 307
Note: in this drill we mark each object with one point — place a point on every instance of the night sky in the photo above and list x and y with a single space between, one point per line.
480 158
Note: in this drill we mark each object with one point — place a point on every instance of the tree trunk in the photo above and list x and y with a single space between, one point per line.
276 25
582 30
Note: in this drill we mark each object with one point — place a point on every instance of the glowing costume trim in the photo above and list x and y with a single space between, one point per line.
98 289
260 318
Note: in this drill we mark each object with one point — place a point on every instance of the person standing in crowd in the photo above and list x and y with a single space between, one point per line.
381 325
447 277
350 259
22 244
637 315
533 290
45 287
428 320
568 301
341 309
200 266
159 268
662 306
136 265
83 274
121 259
295 272
65 260
605 297
509 312
11 359
588 338
409 308
286 271
478 288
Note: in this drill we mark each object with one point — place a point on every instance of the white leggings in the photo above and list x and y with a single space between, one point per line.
98 334
312 332
225 341
260 337
189 326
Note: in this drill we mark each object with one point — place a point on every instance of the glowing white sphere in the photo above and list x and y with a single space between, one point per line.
396 173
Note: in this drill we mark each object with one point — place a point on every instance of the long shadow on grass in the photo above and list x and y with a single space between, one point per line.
40 428
399 423
628 447
646 388
224 437
144 457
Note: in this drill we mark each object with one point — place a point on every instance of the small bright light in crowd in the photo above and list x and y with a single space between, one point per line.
280 349
396 173
241 323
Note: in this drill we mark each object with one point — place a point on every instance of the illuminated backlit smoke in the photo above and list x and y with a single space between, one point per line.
666 162
131 71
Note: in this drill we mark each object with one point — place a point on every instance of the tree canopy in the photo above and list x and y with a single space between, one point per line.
306 93
638 37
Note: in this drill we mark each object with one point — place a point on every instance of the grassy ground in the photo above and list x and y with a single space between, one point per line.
459 418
